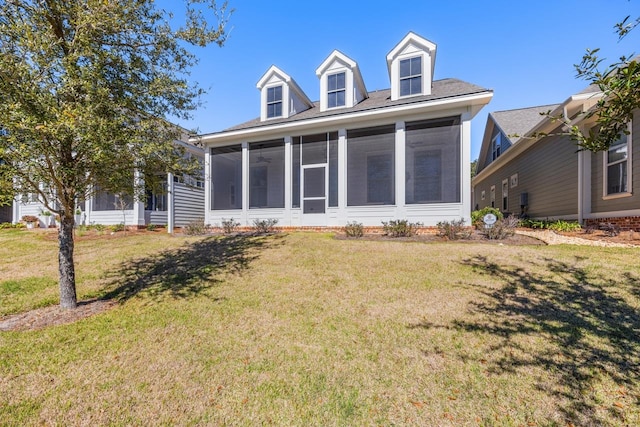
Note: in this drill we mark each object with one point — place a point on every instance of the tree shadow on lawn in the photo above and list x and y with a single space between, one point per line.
589 323
186 271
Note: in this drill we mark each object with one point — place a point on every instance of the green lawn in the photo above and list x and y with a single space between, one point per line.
302 329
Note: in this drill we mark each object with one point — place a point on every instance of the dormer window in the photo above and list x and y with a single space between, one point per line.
411 63
411 76
274 102
336 90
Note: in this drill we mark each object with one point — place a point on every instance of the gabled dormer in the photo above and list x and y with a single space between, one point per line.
341 83
410 66
280 95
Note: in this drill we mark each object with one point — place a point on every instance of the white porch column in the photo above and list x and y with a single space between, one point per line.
400 150
88 208
287 180
138 206
465 158
342 176
171 203
15 216
245 184
207 186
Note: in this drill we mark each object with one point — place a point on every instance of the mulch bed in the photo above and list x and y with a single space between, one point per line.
476 237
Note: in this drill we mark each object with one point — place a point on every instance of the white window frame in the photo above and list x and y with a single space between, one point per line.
482 195
606 165
410 76
276 101
337 90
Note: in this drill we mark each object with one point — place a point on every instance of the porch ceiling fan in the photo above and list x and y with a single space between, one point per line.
261 158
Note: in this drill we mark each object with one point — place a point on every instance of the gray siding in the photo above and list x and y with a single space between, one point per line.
548 172
189 204
600 205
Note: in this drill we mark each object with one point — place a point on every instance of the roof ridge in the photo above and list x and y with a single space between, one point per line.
525 108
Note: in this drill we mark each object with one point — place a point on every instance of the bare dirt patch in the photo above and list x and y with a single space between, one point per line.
54 315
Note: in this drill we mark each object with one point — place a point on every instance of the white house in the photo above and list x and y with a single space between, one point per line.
354 155
180 202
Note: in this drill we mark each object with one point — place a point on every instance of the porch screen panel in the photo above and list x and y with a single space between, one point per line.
371 166
333 169
266 174
226 178
432 161
104 201
295 171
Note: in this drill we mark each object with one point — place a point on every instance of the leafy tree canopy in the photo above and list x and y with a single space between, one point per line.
620 85
86 86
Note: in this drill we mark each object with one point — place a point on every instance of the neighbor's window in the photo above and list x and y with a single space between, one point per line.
335 90
157 198
226 177
617 160
411 76
492 194
496 146
370 166
505 195
274 101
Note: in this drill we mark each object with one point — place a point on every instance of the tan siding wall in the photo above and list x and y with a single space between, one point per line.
548 172
598 204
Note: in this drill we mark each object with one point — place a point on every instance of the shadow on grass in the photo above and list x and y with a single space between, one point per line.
589 323
186 271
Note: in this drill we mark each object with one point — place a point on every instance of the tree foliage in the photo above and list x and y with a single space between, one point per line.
620 86
86 86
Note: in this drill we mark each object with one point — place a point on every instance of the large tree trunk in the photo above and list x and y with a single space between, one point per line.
66 267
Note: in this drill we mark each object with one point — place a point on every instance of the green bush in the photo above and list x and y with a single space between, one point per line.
400 228
264 226
229 225
354 229
476 216
561 225
151 227
7 225
453 230
117 227
502 229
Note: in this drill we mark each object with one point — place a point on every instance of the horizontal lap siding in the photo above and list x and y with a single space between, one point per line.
598 204
189 204
548 172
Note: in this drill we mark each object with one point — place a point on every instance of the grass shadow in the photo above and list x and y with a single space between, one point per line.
589 324
187 271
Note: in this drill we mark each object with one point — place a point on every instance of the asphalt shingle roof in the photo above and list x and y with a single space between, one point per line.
441 89
516 123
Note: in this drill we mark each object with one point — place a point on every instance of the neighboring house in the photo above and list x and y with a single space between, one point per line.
180 202
354 155
528 167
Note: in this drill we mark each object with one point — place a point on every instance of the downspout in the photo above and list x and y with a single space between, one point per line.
170 202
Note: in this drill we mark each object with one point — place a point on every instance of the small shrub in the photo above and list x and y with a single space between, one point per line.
354 229
453 230
229 225
98 227
476 216
264 226
117 227
502 229
196 228
561 225
151 227
609 229
400 228
8 225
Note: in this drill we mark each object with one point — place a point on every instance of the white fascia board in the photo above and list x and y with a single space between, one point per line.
337 121
333 56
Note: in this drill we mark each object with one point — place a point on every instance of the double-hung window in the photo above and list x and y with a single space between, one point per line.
411 76
335 90
496 146
617 174
274 101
